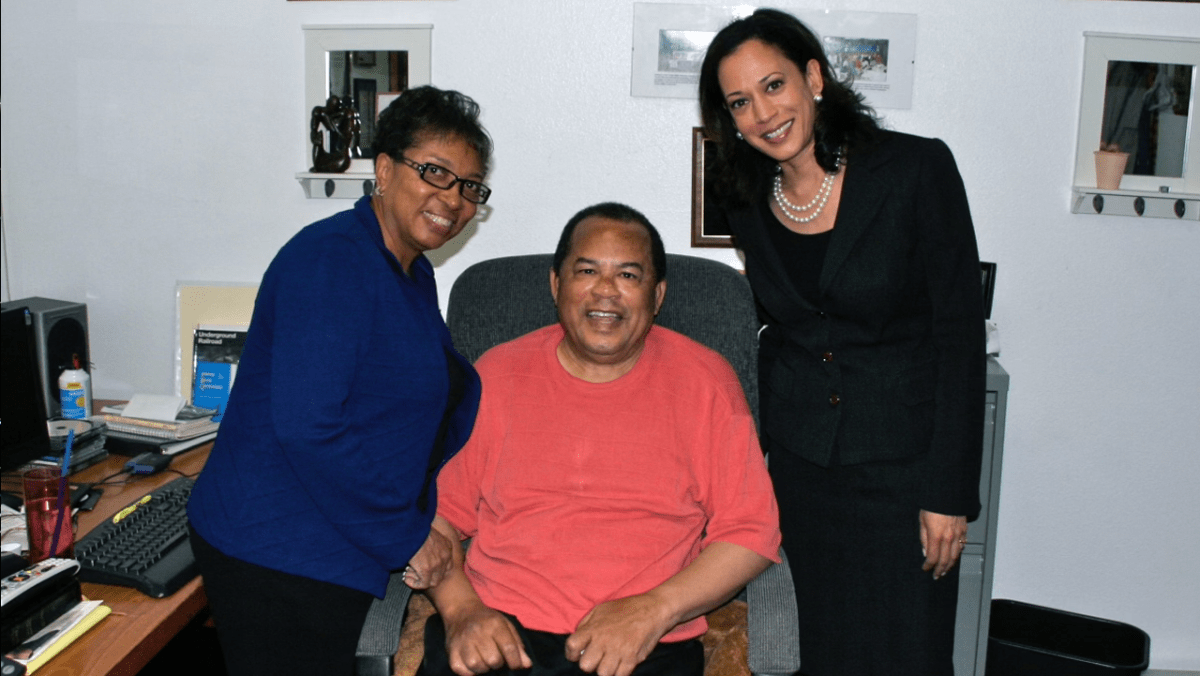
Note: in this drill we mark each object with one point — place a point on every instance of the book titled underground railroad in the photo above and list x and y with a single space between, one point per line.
216 351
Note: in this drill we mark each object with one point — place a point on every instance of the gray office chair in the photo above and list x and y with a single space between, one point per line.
498 300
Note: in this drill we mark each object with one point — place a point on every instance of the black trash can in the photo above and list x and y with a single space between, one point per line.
1029 640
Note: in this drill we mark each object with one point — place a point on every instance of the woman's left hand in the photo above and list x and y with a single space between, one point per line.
942 539
431 563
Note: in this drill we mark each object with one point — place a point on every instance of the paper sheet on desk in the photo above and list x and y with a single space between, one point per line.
164 407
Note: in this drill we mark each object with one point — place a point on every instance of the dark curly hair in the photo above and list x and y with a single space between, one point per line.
843 120
428 112
616 212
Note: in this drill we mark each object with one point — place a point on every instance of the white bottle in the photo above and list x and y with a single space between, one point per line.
75 391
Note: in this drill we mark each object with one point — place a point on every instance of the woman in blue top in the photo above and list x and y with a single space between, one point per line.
348 400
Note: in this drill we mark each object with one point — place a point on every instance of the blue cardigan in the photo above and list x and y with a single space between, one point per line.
324 446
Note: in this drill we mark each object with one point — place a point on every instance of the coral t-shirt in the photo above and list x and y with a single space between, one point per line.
578 493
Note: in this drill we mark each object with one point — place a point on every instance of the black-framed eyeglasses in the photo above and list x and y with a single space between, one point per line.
441 177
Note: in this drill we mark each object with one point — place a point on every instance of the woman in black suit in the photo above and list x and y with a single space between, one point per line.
861 253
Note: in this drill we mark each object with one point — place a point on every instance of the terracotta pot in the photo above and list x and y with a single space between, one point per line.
1110 167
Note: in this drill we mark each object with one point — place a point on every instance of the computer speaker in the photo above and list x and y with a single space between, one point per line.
61 331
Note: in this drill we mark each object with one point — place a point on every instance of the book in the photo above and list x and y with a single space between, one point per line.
216 351
54 637
175 447
132 445
186 413
165 431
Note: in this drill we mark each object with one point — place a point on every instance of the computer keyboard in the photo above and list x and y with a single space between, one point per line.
145 546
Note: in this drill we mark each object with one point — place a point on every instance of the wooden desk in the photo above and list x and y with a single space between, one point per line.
139 626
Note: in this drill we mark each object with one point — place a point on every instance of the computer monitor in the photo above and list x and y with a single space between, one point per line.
23 432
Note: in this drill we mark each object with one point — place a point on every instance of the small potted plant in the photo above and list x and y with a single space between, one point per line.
1110 166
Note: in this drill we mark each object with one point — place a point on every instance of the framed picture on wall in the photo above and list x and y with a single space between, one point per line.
876 49
989 287
327 51
1138 98
708 229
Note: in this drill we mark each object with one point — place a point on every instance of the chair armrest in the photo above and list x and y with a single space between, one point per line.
773 625
380 637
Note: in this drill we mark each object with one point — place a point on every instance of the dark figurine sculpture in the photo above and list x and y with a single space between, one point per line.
345 128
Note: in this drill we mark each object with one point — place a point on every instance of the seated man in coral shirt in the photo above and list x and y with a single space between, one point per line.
613 485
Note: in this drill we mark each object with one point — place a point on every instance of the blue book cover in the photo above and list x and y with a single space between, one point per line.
215 354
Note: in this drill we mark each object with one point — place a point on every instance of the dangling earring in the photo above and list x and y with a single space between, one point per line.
818 99
377 192
740 137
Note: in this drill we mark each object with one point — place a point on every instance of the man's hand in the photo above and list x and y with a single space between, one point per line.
479 639
942 539
618 635
431 563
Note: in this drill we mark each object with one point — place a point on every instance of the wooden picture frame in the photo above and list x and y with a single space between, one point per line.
706 231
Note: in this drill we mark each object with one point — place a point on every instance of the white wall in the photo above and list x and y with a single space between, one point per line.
149 142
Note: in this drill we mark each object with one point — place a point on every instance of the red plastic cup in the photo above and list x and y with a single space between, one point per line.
44 516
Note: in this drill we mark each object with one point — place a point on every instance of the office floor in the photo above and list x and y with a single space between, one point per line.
196 646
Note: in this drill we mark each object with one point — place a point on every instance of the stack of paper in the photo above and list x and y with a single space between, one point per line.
158 424
159 416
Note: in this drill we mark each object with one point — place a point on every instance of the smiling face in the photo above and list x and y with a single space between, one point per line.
771 99
607 298
415 216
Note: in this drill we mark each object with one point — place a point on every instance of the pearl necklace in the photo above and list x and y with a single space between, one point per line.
816 205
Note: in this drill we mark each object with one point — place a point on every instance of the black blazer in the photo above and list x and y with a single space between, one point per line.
890 362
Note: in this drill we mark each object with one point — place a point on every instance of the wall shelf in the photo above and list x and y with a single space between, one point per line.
319 41
350 185
1179 207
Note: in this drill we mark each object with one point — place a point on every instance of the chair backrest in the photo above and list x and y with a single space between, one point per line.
501 299
497 300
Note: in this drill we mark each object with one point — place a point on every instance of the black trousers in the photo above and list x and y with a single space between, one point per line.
270 622
852 535
548 653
